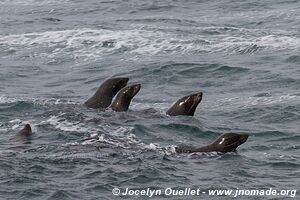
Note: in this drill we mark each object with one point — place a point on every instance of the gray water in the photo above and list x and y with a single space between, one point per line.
243 55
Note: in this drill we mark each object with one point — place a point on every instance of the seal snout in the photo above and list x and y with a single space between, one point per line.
244 138
199 96
136 87
26 132
124 81
28 128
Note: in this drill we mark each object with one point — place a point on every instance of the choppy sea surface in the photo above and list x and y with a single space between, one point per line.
243 55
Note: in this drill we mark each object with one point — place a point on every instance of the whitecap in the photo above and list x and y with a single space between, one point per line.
86 44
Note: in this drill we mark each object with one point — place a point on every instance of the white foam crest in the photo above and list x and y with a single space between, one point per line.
124 133
91 44
15 126
121 131
165 150
83 42
65 125
19 124
279 42
125 140
15 121
128 142
153 146
37 101
53 101
5 99
102 139
250 44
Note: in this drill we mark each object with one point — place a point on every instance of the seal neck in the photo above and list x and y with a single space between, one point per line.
208 148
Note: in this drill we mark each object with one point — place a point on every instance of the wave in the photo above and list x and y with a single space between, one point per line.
293 59
66 126
288 98
32 2
17 106
259 100
92 44
35 101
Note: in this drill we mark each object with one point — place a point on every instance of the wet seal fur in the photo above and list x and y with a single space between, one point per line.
186 105
124 97
227 142
25 133
106 92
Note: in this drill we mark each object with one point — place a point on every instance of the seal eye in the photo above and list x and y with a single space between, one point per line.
181 103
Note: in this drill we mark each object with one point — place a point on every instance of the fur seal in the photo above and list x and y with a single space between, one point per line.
124 97
106 92
25 132
186 105
225 143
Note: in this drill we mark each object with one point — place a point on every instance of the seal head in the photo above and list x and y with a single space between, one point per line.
124 97
227 142
186 105
26 131
106 92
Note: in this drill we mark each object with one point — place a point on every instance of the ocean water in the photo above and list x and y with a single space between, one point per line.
243 55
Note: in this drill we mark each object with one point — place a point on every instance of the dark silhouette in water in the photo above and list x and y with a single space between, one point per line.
186 105
26 131
106 92
25 134
124 97
225 143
